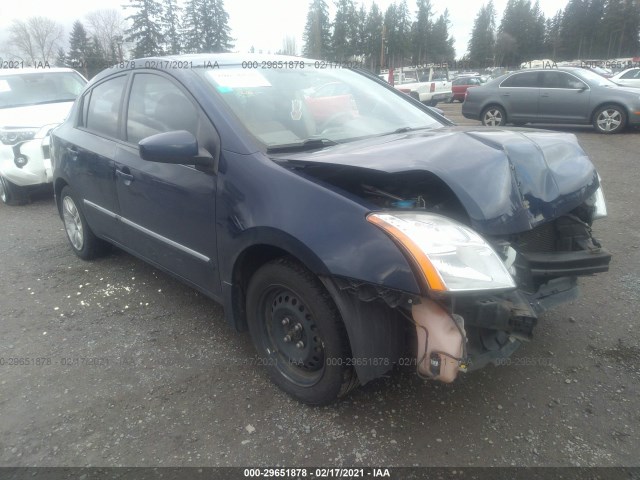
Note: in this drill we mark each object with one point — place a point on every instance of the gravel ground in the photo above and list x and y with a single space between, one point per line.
129 367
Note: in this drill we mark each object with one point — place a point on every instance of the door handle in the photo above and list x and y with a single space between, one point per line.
126 176
505 94
73 153
544 95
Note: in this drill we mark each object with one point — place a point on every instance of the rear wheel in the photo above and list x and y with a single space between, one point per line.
494 116
610 119
12 194
299 334
83 241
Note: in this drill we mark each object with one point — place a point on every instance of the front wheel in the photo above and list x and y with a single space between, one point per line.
298 333
494 117
11 194
83 241
610 119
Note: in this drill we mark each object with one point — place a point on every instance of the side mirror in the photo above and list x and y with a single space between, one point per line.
178 147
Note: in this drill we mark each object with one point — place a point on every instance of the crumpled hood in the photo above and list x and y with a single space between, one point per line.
509 181
34 115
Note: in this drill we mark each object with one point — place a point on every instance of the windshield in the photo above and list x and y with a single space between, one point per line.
283 107
595 79
38 88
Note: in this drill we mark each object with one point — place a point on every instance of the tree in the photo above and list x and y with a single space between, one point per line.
79 48
97 58
522 28
342 39
552 38
397 23
171 27
482 41
145 31
106 26
442 49
61 58
288 46
206 27
317 33
36 38
421 32
375 22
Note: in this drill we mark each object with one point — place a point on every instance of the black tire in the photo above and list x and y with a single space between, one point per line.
83 241
432 103
610 119
284 300
12 194
519 124
493 116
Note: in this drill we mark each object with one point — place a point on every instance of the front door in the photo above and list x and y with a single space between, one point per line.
167 211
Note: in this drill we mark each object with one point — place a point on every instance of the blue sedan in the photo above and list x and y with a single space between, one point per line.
346 226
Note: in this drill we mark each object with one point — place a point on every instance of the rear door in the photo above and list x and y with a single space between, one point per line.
520 94
168 211
91 153
564 98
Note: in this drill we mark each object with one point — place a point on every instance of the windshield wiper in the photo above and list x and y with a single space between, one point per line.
309 144
407 129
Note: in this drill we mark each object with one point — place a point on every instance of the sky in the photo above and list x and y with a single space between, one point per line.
259 23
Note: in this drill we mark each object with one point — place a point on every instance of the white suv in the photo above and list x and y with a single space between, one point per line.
32 102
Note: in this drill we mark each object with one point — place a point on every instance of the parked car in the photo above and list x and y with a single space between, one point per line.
433 87
340 247
460 85
32 102
627 78
564 95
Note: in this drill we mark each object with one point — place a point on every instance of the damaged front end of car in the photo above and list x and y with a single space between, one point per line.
494 239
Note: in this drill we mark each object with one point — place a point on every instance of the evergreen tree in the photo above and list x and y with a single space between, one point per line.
552 39
482 41
145 31
79 48
61 58
97 58
442 49
342 39
522 29
421 32
375 21
171 27
317 33
206 27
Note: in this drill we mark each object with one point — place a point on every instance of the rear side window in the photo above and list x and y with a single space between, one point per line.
156 105
526 79
104 107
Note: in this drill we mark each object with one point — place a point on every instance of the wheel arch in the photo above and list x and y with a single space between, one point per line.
494 104
267 245
604 104
58 185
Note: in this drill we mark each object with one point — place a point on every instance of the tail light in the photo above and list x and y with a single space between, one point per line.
433 88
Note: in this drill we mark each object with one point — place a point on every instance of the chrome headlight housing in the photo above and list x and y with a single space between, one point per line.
450 256
598 202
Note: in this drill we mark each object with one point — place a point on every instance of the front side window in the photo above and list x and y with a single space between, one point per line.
104 107
156 105
561 80
522 80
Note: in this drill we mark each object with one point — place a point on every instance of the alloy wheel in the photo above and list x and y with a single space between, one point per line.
73 223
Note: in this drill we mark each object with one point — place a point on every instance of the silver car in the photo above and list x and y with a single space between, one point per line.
563 95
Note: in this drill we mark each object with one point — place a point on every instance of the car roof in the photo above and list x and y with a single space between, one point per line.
561 69
27 70
201 59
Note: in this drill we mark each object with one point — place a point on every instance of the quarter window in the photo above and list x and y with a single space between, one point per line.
156 105
526 79
104 107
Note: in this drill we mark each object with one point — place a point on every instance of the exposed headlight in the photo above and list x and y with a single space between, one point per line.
451 256
598 202
10 136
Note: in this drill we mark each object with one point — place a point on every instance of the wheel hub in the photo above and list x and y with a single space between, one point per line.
72 223
294 333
